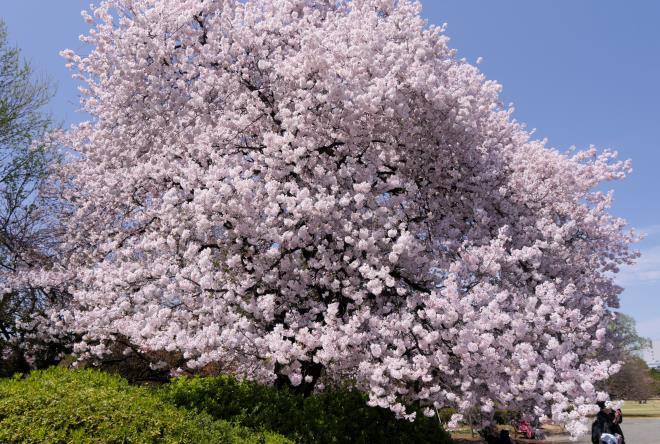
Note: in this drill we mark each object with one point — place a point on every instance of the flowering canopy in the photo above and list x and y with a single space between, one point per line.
321 190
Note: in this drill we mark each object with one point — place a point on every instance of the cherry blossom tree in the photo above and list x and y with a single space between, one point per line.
320 190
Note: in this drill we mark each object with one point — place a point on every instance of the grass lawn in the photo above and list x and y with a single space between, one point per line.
649 409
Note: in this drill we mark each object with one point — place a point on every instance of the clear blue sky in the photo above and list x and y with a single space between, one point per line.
580 72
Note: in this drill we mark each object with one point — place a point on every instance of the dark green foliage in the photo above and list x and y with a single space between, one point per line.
87 406
655 375
445 414
505 417
339 416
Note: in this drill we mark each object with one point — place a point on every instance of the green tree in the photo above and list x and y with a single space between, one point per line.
624 337
25 235
633 381
655 374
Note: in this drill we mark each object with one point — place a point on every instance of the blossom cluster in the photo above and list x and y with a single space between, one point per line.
321 190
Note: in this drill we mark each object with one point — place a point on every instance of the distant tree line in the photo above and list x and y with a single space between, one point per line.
635 381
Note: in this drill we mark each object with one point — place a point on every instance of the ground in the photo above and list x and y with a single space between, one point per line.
641 425
636 431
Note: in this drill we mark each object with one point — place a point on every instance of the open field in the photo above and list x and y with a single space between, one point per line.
650 409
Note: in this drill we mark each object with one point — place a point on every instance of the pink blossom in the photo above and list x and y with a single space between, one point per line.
302 183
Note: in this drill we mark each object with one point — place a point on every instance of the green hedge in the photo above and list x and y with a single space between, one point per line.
87 406
340 416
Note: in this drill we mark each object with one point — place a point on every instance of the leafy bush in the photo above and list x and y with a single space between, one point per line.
339 416
87 406
446 413
504 417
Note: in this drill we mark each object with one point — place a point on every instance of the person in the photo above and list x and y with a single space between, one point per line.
537 427
504 437
607 438
617 419
539 433
525 429
603 424
490 435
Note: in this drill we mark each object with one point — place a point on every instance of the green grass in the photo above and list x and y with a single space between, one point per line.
650 409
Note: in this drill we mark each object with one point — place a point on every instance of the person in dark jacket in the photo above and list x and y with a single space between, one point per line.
489 435
504 437
602 424
617 418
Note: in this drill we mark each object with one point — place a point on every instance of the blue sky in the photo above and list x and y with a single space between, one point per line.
579 72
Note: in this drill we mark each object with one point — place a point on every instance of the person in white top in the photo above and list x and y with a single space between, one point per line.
607 438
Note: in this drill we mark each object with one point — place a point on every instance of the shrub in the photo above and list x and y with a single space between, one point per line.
337 416
504 417
87 406
446 413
